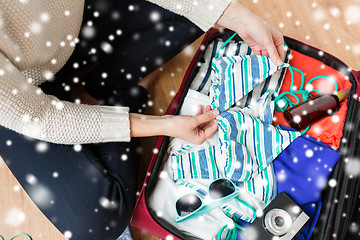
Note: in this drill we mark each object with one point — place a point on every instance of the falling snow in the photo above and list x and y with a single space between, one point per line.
318 15
309 153
48 75
124 157
335 12
155 16
88 32
107 204
68 234
40 194
354 227
106 47
321 182
332 183
326 26
77 148
14 217
45 17
352 14
352 167
42 147
169 237
31 179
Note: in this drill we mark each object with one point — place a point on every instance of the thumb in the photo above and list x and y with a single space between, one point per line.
206 117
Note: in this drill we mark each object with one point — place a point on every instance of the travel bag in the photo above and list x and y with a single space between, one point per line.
337 217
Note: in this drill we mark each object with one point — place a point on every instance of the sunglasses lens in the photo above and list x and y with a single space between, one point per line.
187 204
221 188
224 234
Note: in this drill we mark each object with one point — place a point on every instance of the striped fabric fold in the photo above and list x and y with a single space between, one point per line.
202 164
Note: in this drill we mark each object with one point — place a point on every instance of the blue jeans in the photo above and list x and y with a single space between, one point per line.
131 38
90 190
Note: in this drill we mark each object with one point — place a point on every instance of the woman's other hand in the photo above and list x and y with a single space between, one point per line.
262 38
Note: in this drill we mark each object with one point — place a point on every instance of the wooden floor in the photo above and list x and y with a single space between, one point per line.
331 25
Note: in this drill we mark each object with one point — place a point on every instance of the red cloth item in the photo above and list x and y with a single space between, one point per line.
328 130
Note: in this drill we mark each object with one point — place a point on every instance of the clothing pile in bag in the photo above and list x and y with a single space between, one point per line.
261 159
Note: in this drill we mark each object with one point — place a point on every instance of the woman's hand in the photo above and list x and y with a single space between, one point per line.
194 129
262 38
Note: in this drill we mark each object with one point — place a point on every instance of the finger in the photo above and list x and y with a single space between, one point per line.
199 110
273 52
278 39
209 129
207 108
280 48
256 51
206 117
264 52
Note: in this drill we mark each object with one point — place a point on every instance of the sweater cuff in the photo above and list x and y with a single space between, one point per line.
207 13
116 124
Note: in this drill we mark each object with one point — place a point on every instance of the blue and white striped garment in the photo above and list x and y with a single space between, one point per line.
202 81
247 141
236 76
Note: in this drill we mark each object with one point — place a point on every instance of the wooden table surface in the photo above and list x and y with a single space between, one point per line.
331 25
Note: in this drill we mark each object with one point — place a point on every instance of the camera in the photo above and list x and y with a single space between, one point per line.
281 219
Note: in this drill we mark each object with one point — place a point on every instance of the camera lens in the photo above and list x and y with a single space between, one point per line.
277 221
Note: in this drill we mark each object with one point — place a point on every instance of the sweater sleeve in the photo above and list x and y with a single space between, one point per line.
24 108
204 13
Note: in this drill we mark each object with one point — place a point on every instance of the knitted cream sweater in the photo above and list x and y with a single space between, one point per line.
37 37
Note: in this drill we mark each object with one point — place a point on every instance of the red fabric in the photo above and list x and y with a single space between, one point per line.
329 129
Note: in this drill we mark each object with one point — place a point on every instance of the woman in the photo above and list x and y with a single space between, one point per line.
88 190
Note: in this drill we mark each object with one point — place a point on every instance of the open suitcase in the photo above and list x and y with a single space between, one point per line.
338 217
